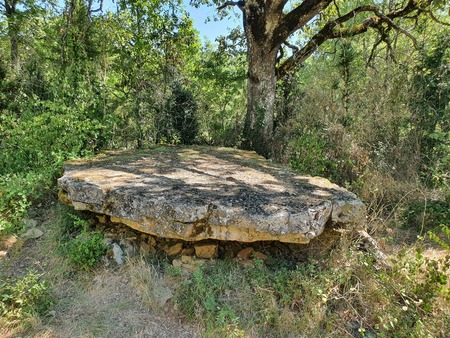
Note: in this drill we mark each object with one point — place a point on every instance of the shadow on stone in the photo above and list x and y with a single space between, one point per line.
199 193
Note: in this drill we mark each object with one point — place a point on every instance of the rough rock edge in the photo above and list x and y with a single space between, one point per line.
213 221
201 229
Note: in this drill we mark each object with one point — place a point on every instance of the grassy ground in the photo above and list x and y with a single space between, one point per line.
335 287
98 302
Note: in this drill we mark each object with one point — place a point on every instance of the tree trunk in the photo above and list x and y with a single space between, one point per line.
261 87
262 80
13 32
14 42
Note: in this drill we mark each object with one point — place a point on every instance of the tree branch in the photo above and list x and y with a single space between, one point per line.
372 52
291 46
99 9
240 4
331 31
297 18
326 33
433 17
395 26
7 6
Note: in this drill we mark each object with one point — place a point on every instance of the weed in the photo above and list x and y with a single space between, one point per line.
443 239
17 192
228 298
150 284
347 293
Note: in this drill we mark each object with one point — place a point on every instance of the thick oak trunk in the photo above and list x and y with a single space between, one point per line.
261 87
262 80
268 24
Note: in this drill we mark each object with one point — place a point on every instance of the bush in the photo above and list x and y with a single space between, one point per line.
43 141
17 192
24 297
429 215
349 292
309 155
230 299
82 247
33 146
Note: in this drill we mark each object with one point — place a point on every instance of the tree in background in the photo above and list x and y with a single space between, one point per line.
268 26
219 85
183 111
12 15
152 42
431 108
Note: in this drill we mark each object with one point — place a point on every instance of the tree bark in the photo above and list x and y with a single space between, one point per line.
259 23
261 88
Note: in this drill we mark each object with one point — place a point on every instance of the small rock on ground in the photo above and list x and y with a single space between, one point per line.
32 233
118 254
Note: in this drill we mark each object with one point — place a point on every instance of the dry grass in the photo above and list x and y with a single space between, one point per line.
149 283
106 304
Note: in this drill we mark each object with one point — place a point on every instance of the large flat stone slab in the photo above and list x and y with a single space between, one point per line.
196 193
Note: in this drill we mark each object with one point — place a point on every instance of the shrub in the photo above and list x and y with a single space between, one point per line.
429 214
17 192
230 299
23 297
309 155
349 292
82 247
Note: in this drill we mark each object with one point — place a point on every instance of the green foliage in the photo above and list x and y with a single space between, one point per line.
44 141
145 72
178 122
35 143
230 299
17 192
23 297
219 81
82 246
422 280
348 293
431 107
443 239
183 109
138 77
309 155
429 215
